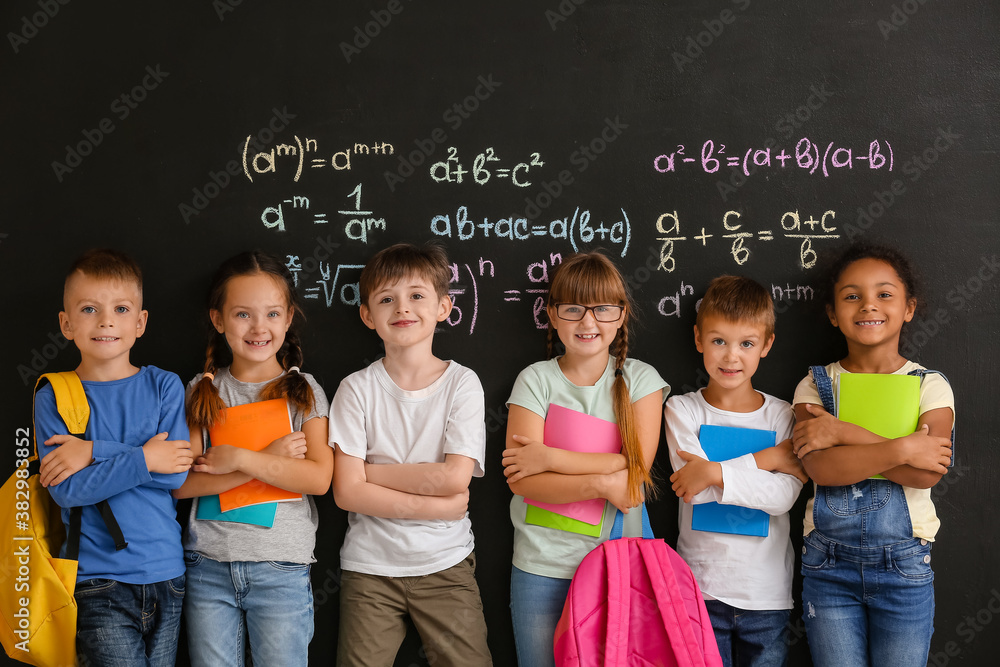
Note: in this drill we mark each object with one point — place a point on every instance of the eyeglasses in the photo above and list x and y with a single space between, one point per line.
574 312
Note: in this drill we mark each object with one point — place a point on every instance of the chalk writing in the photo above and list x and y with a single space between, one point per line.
451 170
806 156
577 229
303 152
359 223
793 226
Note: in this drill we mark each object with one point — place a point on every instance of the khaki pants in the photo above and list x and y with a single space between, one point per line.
445 607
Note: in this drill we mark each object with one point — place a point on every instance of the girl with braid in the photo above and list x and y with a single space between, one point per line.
247 580
589 311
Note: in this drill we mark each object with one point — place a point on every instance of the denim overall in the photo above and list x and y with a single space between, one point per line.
868 594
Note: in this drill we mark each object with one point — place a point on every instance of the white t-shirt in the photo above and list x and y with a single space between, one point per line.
371 418
743 571
935 392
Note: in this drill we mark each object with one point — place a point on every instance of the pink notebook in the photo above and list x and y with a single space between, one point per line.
579 432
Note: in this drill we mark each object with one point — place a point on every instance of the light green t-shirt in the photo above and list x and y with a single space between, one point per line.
546 551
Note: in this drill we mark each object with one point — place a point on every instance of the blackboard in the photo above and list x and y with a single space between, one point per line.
688 139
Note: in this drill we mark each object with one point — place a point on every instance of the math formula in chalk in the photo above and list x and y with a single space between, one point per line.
485 166
359 224
578 229
800 227
302 153
808 156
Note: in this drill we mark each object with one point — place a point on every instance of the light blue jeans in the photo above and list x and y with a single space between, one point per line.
122 625
269 602
536 603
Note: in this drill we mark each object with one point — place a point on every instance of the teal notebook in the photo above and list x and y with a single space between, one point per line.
258 515
722 443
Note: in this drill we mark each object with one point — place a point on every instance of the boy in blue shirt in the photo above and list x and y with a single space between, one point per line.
130 598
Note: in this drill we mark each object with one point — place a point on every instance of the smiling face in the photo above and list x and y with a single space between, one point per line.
103 318
871 305
254 318
588 336
405 313
732 350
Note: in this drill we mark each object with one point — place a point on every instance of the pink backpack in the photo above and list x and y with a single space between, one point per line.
634 601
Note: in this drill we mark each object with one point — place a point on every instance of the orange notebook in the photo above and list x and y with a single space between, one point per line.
253 426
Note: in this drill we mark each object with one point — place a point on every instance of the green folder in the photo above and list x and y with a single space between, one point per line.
883 403
537 516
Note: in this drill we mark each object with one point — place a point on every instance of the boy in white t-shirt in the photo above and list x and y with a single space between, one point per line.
746 580
409 434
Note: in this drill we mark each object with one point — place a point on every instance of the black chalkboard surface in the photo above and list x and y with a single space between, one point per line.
687 139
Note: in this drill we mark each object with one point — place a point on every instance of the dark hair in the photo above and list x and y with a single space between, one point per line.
587 278
205 404
738 299
399 261
106 264
867 250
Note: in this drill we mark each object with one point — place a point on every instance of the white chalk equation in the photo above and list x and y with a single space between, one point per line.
359 223
578 229
803 228
306 153
808 156
451 170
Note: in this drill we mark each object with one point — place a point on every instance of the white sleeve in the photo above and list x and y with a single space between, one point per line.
682 435
465 432
348 429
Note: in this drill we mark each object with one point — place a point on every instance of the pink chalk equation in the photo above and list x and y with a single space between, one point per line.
808 156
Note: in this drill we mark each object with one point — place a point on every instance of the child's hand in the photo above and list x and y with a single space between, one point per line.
167 456
72 456
292 446
697 475
615 490
521 462
220 460
814 434
783 459
456 506
927 452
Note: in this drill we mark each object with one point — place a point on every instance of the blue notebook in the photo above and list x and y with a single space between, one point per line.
722 443
209 509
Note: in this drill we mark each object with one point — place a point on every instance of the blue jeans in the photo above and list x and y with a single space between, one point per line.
536 603
269 602
128 625
864 606
749 637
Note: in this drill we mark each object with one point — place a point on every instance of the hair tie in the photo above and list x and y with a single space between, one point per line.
296 369
210 376
619 372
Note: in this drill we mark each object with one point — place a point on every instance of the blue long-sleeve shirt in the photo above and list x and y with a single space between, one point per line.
124 415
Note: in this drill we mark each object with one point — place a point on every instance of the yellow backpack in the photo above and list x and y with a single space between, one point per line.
36 586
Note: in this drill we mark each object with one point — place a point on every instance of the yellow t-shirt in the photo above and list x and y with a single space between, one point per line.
935 392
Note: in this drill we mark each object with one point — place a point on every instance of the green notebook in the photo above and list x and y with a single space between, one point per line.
886 404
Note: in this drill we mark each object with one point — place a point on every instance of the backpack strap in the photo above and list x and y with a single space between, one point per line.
824 385
673 611
72 406
619 602
618 527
